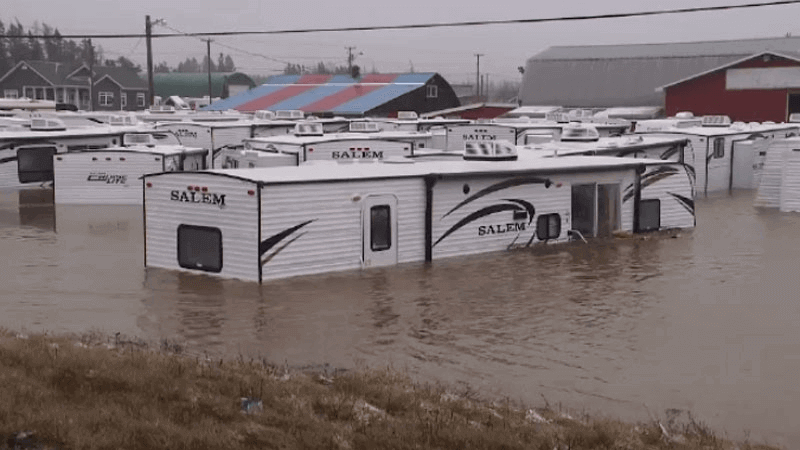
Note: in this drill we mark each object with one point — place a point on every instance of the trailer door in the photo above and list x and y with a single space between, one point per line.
35 164
379 230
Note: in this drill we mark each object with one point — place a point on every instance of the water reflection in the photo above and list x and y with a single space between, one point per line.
707 321
36 208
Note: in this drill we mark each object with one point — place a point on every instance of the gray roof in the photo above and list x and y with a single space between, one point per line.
628 75
127 78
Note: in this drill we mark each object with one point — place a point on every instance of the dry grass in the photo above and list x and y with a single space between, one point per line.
79 395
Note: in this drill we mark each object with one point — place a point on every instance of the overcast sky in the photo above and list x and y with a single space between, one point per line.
449 51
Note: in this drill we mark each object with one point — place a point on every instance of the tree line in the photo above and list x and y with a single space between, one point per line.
54 48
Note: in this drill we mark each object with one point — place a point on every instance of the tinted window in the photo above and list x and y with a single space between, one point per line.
719 148
380 228
548 226
200 248
35 164
649 215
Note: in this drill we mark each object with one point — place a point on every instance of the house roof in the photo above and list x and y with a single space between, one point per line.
791 56
60 74
628 75
196 84
337 94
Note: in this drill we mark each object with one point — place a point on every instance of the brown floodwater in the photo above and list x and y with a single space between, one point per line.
707 321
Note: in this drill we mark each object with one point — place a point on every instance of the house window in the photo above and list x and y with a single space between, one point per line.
649 215
200 248
29 92
140 99
123 100
719 148
380 228
548 226
433 91
10 93
106 98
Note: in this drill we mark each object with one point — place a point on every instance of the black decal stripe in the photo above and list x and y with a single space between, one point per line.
513 182
7 160
670 152
527 205
685 202
280 249
477 215
651 178
272 240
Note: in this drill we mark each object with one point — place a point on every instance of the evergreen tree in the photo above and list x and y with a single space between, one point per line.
18 48
221 63
5 61
229 66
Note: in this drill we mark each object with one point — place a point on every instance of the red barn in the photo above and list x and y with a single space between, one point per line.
763 86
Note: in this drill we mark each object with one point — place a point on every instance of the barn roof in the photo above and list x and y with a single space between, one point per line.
336 94
628 75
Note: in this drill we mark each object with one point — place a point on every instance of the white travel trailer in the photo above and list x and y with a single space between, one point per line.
212 136
309 143
26 153
112 175
725 155
520 133
779 184
261 224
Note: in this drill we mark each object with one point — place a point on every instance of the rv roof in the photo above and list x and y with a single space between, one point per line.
211 124
157 149
333 137
99 130
378 170
724 131
608 144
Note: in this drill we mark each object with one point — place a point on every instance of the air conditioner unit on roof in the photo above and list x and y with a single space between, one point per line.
407 115
308 129
290 114
716 121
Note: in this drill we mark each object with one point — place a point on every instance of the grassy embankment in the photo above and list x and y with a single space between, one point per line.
86 394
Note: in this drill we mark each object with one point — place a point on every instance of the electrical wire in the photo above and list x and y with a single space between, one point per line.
421 25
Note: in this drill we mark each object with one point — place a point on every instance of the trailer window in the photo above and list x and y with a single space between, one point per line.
200 248
719 148
649 215
35 164
380 228
548 226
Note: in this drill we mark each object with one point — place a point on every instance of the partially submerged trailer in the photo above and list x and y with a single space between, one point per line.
26 154
779 184
261 224
112 175
724 155
308 143
212 136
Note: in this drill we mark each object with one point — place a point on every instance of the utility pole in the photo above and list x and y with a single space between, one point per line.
478 77
148 30
486 91
350 59
208 52
91 75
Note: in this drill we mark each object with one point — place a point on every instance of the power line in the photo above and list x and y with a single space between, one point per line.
421 25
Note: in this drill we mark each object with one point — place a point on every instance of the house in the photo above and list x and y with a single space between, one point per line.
643 74
377 95
195 85
114 88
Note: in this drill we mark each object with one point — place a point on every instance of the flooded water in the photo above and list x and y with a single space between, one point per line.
708 321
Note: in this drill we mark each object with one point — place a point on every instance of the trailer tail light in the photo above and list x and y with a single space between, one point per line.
149 185
310 149
251 192
59 158
352 149
197 188
122 159
108 159
204 189
190 188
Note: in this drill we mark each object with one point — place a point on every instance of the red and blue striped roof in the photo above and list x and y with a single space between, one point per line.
336 94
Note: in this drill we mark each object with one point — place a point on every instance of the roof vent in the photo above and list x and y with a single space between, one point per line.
47 124
407 115
308 129
716 121
578 132
684 115
500 150
364 127
290 114
122 120
559 117
264 114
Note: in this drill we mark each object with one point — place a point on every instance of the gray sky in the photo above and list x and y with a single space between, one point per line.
449 51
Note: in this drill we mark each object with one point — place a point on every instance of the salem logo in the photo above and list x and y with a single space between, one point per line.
107 178
357 155
197 197
183 132
479 137
502 228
